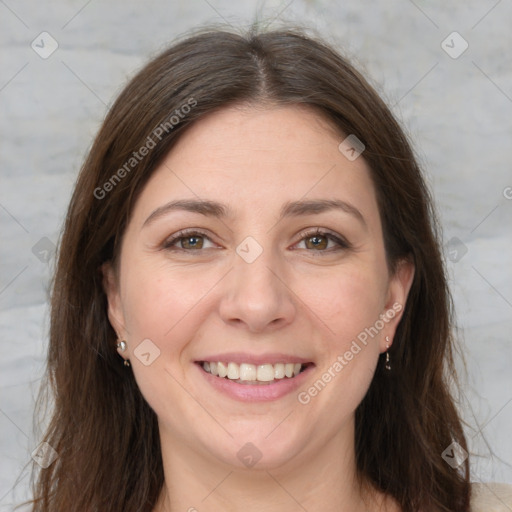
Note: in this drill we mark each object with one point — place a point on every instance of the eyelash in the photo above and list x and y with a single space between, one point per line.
186 233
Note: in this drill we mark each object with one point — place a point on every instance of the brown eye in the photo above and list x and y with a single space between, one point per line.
322 241
192 242
188 240
317 242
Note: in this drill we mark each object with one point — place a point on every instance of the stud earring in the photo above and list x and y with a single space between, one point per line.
387 364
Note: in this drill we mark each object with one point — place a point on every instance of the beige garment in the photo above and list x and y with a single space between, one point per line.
491 497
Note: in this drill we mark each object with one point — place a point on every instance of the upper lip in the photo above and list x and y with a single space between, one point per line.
256 359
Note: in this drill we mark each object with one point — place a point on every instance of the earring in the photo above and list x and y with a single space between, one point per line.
121 345
387 365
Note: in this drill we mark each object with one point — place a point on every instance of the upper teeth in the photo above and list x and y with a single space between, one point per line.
252 372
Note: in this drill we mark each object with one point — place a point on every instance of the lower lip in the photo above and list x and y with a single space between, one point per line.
256 392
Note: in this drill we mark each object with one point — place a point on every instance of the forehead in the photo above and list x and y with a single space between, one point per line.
259 158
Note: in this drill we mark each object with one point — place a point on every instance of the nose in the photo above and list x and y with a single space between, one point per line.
256 296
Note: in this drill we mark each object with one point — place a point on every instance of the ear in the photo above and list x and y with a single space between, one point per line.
398 289
112 291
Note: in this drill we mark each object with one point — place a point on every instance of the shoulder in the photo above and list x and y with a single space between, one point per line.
491 497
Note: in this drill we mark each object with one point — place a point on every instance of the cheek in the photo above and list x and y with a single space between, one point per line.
157 299
349 308
348 304
163 305
347 301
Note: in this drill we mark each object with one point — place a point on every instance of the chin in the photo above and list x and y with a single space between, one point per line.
256 449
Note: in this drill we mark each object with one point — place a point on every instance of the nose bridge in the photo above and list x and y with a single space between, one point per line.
256 295
255 276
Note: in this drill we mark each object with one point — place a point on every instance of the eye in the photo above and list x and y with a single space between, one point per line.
188 240
317 240
322 241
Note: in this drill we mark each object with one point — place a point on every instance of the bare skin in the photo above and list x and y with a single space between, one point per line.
320 280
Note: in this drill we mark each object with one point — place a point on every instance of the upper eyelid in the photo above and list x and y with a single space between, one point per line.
183 233
336 237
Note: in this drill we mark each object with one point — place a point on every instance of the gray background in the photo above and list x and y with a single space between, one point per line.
458 112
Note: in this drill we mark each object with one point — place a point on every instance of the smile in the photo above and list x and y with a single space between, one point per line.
254 377
253 374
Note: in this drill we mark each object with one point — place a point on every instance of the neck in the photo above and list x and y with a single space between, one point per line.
322 480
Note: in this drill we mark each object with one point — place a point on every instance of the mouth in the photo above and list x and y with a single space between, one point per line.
253 374
255 381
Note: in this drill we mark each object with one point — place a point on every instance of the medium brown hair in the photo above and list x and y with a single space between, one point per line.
103 430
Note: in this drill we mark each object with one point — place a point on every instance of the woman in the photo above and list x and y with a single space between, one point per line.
250 310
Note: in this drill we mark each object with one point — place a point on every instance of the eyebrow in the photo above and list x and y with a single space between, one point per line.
289 209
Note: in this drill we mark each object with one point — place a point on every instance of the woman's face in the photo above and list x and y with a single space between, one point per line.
281 268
